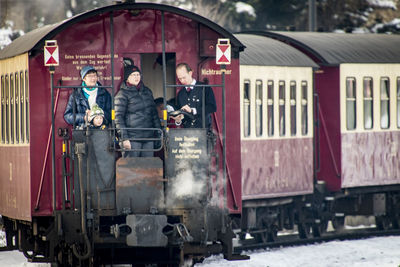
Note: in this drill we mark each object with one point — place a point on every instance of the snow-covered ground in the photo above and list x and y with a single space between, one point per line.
378 251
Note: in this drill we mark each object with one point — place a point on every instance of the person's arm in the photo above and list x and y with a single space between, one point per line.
154 114
108 106
69 112
121 103
210 104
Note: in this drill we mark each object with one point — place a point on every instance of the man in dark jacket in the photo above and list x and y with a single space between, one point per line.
87 97
135 108
190 99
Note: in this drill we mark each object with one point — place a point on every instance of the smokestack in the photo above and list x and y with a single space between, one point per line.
312 16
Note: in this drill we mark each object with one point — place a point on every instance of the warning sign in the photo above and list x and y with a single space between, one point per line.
51 57
223 52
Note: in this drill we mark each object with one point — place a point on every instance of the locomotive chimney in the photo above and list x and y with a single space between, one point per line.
124 1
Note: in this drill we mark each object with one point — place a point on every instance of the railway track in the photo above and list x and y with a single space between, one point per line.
294 240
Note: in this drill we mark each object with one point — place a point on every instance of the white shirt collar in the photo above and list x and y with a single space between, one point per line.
191 87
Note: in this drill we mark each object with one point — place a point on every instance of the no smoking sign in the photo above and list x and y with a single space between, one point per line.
223 52
51 57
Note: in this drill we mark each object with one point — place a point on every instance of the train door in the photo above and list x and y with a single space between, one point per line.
152 71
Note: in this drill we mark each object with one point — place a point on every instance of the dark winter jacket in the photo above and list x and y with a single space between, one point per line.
194 98
103 99
135 109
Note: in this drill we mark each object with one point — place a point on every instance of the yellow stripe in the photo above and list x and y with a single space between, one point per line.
64 148
112 114
165 114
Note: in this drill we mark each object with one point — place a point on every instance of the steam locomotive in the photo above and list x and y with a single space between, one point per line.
67 196
306 133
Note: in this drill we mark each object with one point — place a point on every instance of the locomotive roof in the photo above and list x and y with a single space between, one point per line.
35 39
337 48
264 51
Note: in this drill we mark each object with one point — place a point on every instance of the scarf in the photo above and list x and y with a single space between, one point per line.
90 94
138 86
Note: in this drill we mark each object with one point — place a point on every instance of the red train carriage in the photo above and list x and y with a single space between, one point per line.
29 201
358 117
276 135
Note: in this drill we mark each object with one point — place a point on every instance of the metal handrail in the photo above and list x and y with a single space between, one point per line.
160 138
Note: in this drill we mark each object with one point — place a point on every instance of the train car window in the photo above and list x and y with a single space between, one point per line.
398 102
246 108
22 106
7 115
26 107
259 108
282 108
368 102
385 105
292 108
351 103
270 104
304 108
12 109
17 104
3 105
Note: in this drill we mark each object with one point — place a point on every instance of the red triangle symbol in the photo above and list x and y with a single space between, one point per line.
223 48
223 59
51 61
51 49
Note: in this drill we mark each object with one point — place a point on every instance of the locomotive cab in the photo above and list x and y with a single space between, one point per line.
147 205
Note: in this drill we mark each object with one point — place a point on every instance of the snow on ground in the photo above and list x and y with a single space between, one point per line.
377 251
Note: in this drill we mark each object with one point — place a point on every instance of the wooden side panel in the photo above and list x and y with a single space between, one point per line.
15 186
276 168
370 159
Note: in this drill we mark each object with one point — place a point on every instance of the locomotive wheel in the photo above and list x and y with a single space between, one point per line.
319 228
382 222
242 236
261 237
396 222
304 230
272 233
338 222
268 236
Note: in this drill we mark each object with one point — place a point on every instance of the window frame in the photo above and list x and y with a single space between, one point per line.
398 100
304 107
246 108
7 115
293 107
3 112
282 107
22 105
387 99
27 122
270 108
259 107
353 100
370 99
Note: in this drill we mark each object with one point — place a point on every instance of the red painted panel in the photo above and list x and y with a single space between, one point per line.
327 86
211 71
275 168
87 42
15 182
370 158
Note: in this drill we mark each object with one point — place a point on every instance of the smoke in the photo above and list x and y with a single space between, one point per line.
188 187
185 185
